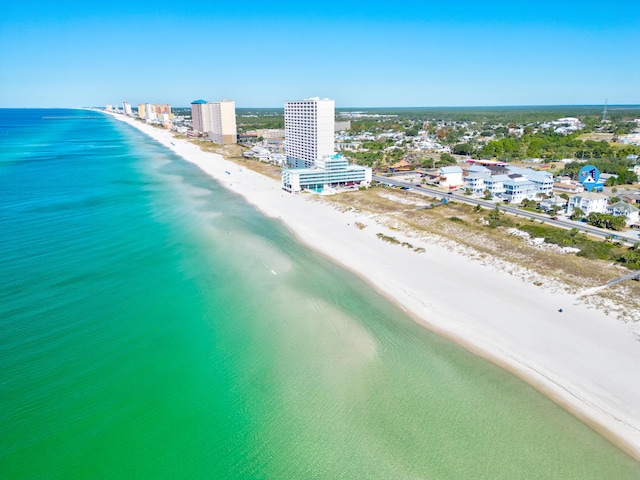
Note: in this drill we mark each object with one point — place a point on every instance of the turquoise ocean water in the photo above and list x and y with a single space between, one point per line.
153 325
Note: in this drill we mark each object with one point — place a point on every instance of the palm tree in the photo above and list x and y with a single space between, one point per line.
577 214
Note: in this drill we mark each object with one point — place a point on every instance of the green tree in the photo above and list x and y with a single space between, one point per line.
463 149
604 220
577 214
495 214
527 203
447 159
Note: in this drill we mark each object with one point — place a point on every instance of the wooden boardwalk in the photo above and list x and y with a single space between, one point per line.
629 276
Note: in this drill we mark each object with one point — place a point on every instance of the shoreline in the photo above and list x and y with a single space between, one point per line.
582 359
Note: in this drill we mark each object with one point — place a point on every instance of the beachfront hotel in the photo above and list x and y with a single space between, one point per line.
308 130
328 172
216 119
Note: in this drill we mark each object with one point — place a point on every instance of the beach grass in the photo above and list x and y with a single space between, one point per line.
466 227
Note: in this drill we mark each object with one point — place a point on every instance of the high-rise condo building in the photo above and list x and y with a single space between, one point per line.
309 144
217 119
126 108
161 109
309 130
199 116
224 122
149 113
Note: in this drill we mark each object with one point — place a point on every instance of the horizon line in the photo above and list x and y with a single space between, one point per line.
632 105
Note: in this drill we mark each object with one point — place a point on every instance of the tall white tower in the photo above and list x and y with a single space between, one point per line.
308 130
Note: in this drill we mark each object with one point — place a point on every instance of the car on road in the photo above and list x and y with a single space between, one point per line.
554 218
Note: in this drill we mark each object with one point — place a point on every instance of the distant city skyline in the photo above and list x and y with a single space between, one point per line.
361 54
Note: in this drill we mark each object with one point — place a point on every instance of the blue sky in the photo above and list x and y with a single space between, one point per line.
373 53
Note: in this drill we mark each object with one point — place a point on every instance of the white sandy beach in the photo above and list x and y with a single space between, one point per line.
584 359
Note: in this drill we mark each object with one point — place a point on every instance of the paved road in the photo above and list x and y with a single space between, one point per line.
630 238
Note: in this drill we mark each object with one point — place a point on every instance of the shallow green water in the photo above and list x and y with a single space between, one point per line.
156 326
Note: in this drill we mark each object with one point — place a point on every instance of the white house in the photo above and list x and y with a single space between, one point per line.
495 184
588 202
475 181
623 208
517 188
555 201
562 187
450 177
543 181
475 168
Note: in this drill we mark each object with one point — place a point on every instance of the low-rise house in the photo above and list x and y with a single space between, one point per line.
624 209
541 180
450 177
588 202
569 188
495 184
606 176
564 179
517 188
555 201
401 166
632 198
475 181
475 168
247 137
349 145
